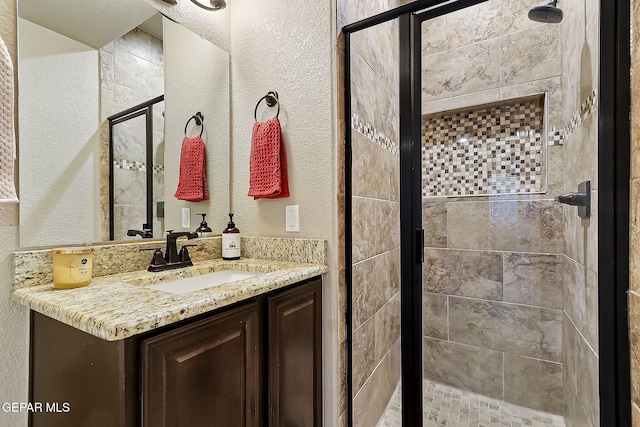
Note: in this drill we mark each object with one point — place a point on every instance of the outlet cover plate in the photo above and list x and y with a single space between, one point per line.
292 218
186 217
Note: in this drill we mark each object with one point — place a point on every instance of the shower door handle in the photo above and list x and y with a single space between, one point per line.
419 245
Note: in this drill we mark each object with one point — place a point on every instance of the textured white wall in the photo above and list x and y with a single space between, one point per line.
288 46
281 45
212 25
14 332
197 79
59 80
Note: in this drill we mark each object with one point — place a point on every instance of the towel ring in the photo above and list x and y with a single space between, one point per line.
199 118
271 98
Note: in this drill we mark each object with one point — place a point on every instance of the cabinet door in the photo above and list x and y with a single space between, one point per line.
295 357
79 379
205 374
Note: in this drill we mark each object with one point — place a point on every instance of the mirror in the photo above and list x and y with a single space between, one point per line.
81 62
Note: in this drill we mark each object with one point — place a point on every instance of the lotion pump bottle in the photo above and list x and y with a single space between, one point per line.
204 230
231 241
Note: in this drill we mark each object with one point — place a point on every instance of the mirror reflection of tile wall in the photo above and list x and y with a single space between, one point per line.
132 72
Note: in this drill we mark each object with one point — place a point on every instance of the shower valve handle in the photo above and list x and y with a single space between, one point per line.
573 199
581 198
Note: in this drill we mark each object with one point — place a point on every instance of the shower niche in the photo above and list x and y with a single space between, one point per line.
487 150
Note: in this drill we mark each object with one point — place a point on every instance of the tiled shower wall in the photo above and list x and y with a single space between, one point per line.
493 265
509 281
132 72
634 294
580 70
376 222
493 300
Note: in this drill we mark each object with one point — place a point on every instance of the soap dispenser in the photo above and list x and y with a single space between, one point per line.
204 230
231 241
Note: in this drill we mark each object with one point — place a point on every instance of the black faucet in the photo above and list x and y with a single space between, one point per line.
171 255
145 233
172 258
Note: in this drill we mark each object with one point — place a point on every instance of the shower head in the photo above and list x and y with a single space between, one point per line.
549 13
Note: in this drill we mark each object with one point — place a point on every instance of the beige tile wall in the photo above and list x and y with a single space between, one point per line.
493 301
376 225
579 49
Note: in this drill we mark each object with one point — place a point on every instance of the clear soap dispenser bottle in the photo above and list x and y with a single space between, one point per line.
204 230
231 241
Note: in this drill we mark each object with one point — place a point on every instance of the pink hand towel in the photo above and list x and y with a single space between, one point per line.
268 162
192 185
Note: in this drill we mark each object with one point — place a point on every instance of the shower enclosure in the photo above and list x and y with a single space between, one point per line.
136 171
473 295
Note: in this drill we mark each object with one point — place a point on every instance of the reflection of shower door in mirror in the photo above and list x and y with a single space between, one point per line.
136 172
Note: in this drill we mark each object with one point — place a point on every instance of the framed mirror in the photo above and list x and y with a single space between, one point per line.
83 62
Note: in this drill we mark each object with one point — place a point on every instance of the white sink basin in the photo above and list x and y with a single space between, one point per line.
190 284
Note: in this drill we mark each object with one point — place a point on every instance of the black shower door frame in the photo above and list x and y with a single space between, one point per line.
614 143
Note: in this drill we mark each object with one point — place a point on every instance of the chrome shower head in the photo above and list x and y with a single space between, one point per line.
549 13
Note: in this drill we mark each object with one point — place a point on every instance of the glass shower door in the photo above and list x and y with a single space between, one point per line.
510 124
510 273
129 177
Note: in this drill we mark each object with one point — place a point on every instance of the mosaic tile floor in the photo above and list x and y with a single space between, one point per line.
448 406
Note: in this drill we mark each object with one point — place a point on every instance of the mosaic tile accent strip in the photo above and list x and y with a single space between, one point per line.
555 137
375 135
586 109
448 406
487 151
129 165
135 166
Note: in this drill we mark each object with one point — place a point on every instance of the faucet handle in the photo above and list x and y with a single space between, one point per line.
158 258
184 253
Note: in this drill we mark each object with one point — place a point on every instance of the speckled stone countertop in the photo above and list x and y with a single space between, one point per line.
122 305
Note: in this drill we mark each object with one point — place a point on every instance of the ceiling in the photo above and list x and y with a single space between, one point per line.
92 22
153 26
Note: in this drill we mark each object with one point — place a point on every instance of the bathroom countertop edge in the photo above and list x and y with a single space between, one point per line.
111 309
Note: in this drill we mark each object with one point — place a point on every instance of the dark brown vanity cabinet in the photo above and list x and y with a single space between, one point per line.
295 357
257 364
206 371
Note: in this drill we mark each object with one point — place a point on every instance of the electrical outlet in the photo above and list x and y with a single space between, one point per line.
186 217
292 218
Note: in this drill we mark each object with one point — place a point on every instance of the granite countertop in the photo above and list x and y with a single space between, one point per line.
122 305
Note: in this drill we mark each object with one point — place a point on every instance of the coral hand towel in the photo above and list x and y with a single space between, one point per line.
192 185
7 139
268 162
